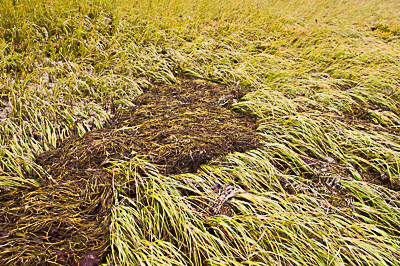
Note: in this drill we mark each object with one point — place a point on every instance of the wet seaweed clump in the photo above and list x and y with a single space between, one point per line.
175 127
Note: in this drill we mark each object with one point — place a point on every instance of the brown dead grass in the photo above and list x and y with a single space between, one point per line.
176 127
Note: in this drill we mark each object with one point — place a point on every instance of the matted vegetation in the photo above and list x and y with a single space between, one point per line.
317 182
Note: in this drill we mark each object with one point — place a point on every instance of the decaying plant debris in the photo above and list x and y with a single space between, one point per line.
175 127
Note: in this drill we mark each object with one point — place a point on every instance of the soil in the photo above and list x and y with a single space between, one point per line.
175 127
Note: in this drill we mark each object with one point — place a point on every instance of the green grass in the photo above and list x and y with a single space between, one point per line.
325 85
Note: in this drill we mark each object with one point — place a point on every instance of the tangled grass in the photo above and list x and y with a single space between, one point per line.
324 85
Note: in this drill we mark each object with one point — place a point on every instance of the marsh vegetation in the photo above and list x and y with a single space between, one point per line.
199 132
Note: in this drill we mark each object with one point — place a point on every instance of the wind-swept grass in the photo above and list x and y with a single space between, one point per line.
324 78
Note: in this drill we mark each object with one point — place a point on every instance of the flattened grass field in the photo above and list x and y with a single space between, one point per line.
219 132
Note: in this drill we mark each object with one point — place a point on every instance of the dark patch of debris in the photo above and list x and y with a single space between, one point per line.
176 127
